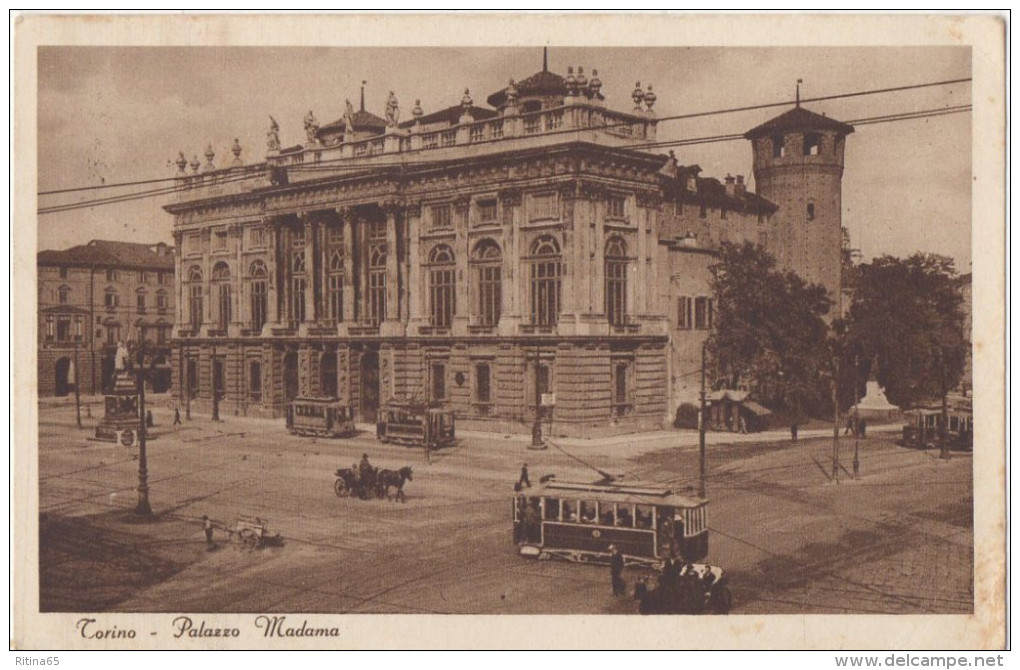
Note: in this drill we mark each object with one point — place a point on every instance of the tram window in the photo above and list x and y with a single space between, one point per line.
623 516
589 514
643 516
569 512
552 509
608 517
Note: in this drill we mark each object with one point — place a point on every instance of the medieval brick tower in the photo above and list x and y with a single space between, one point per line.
798 165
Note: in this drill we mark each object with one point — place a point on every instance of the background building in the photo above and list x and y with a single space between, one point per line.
483 257
96 295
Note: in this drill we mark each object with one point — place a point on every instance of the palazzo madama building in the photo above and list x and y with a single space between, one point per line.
480 256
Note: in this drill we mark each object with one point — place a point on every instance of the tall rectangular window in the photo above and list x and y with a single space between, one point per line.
438 381
257 236
297 299
616 291
442 290
195 305
703 313
259 304
483 385
336 297
489 294
140 298
224 305
63 329
63 273
221 241
683 313
255 380
376 283
620 384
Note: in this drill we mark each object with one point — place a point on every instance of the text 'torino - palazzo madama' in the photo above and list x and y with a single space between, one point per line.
482 257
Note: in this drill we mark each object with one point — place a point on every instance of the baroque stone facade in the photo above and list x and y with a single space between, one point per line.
483 257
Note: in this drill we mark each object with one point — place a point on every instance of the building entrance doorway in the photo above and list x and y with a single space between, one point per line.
369 386
327 375
290 377
63 372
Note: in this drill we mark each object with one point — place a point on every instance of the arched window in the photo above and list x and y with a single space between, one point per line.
488 262
616 281
298 284
442 286
259 281
376 282
221 278
545 281
335 285
195 306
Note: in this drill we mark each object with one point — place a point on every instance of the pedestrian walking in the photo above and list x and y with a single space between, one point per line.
616 570
524 480
149 421
793 432
863 427
177 416
849 430
207 525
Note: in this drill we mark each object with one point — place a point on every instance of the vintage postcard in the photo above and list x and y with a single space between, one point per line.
523 331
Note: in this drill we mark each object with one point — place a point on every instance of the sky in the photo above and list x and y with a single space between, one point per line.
114 114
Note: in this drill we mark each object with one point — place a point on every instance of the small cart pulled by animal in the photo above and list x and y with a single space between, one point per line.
252 532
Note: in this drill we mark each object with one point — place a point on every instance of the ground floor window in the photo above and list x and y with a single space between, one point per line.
483 383
255 380
438 381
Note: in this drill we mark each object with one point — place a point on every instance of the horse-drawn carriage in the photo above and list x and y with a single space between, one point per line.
366 482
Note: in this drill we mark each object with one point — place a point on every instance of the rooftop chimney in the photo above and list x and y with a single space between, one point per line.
740 188
730 185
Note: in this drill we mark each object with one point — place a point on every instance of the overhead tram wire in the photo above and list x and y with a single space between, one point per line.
903 116
678 117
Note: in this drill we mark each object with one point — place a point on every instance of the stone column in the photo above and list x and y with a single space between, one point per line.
414 291
311 266
513 271
391 325
347 222
568 280
275 271
207 297
238 307
598 252
462 212
180 308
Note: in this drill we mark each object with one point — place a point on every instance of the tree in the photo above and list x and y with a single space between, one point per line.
769 330
909 314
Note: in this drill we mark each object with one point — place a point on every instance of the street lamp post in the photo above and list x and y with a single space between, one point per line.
835 419
701 426
537 441
77 373
143 508
216 387
857 423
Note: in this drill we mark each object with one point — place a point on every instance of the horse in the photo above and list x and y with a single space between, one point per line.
388 478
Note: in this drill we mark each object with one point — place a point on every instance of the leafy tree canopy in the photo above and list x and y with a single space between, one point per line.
908 312
769 334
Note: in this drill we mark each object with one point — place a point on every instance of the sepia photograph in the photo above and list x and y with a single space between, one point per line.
533 327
